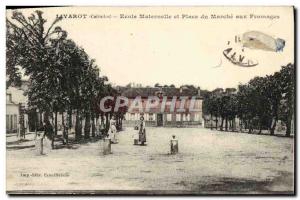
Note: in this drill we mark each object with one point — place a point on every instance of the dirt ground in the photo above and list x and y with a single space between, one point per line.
208 162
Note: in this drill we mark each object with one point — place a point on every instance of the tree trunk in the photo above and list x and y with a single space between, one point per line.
211 122
260 128
288 128
107 122
87 125
41 119
47 121
222 123
97 125
233 125
102 118
249 127
65 128
241 125
70 119
93 125
289 121
121 122
77 126
216 123
226 124
273 126
52 120
117 122
36 124
55 123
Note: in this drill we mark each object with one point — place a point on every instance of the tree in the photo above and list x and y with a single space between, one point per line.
232 111
207 107
258 104
157 85
287 85
33 47
274 95
62 76
261 107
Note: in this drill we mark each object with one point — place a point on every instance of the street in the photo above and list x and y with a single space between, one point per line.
208 162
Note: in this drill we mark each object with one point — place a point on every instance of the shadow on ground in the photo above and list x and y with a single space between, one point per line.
228 185
19 147
17 142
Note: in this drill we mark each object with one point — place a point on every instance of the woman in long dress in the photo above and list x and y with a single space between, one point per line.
142 131
112 130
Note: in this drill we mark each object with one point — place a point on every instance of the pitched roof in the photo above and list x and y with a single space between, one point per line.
153 91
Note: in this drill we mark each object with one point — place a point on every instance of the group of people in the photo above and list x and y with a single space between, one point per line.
140 136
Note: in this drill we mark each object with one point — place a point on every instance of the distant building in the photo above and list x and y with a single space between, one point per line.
157 117
230 90
218 91
15 99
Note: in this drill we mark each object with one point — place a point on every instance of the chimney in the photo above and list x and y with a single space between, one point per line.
199 91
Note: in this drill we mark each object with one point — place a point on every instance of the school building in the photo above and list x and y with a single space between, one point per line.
168 117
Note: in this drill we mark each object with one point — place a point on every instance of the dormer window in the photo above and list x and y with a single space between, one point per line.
8 98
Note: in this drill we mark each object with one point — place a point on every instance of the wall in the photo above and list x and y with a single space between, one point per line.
14 96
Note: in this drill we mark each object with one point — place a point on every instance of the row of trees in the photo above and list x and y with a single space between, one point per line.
258 105
62 77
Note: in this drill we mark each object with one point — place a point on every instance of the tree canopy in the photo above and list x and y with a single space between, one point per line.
259 104
62 77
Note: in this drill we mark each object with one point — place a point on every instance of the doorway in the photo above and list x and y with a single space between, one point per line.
159 119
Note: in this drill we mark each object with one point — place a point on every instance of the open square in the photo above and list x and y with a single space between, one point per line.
208 162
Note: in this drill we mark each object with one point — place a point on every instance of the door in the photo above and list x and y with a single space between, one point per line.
159 119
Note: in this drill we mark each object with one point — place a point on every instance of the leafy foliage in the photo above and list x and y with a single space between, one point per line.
62 77
259 104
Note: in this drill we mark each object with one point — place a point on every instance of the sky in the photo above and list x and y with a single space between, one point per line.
175 51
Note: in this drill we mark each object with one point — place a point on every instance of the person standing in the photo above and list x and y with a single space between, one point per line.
102 131
112 130
142 131
48 132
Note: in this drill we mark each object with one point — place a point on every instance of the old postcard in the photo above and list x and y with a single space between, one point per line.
150 100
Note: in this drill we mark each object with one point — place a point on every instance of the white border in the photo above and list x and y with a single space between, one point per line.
109 3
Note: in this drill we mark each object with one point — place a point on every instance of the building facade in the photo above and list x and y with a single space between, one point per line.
164 114
15 101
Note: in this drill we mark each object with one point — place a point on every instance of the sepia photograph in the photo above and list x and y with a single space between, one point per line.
150 100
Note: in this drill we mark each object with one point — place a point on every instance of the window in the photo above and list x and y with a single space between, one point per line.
196 117
146 117
11 122
15 122
8 98
178 117
127 116
151 117
7 122
131 116
169 117
186 117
